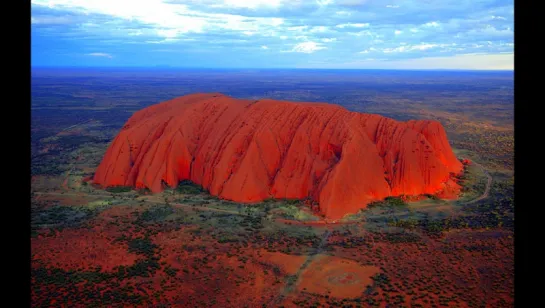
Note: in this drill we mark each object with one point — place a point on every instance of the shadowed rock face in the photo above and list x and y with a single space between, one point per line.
248 151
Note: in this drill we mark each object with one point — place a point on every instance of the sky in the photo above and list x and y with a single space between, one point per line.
336 34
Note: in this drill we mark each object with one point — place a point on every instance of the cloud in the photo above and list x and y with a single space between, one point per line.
498 17
170 19
329 40
307 47
433 24
234 30
491 31
368 50
353 25
254 4
136 32
264 47
324 2
418 47
170 40
100 54
364 33
51 20
319 29
297 28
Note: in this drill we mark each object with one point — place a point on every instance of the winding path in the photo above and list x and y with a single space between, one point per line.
486 189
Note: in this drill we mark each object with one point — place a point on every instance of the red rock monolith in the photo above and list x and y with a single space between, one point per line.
248 151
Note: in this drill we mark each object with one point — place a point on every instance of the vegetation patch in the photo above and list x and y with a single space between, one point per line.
118 189
59 216
389 202
189 188
155 213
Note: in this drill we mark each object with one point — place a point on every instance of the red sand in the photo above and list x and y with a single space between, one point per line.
337 277
248 151
288 264
82 249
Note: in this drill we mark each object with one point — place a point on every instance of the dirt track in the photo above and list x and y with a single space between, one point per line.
487 188
290 284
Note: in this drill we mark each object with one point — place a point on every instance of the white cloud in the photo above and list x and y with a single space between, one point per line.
418 47
50 20
171 19
364 33
368 50
324 2
253 4
297 28
498 17
135 32
432 24
489 30
100 54
169 40
351 25
318 29
168 33
307 47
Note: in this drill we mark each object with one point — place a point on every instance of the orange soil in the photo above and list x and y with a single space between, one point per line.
217 271
81 249
288 264
445 267
231 282
337 277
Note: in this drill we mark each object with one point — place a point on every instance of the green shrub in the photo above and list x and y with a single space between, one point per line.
118 189
189 188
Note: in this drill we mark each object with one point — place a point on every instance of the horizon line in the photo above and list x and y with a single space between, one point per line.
269 68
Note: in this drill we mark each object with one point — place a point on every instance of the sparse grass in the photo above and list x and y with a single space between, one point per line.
290 211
